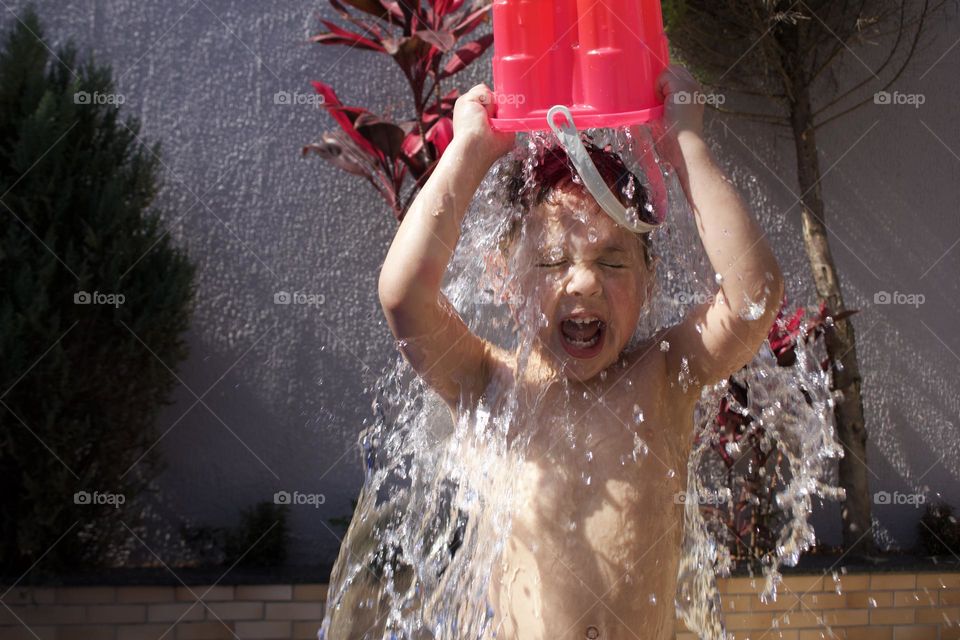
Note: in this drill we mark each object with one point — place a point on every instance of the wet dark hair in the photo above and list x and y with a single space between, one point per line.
553 169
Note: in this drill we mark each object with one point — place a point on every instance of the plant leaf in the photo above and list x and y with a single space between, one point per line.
331 150
441 134
353 39
471 22
373 7
442 40
466 54
384 135
344 116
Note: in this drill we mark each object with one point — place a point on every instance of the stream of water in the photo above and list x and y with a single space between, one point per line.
445 500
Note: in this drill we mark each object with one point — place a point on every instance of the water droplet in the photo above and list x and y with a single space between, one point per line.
652 598
639 446
591 235
637 414
752 311
589 455
872 602
664 345
718 277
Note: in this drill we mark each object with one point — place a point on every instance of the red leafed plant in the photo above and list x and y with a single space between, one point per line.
423 38
751 518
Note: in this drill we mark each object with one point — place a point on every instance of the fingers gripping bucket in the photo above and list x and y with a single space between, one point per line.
556 61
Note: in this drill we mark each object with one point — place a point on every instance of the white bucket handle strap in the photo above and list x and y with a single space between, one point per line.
570 139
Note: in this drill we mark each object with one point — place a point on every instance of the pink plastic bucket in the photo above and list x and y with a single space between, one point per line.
600 58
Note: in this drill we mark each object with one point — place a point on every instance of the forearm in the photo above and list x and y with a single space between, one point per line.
734 242
421 250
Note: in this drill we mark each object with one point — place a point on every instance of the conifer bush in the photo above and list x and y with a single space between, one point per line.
94 301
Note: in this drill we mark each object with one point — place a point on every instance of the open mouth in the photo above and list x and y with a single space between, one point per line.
582 336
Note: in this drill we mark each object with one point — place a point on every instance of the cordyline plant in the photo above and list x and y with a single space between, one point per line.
798 62
751 517
423 38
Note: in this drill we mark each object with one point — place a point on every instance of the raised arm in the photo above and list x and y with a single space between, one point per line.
734 324
433 338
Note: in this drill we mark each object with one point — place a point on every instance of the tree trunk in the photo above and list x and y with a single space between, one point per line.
840 341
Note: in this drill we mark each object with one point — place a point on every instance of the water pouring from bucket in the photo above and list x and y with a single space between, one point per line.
515 467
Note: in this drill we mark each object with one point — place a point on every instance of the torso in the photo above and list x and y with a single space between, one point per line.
595 542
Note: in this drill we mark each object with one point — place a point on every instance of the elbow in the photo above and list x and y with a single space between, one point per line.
390 292
400 287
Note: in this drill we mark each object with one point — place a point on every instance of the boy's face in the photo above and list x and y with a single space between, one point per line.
588 276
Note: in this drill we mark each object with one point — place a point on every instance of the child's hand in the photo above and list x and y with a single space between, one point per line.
471 123
683 99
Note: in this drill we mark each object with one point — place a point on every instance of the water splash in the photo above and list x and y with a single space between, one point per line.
442 502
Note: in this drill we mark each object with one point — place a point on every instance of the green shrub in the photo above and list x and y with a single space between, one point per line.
259 540
938 531
81 383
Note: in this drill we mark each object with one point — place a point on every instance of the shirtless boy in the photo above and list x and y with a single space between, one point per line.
594 551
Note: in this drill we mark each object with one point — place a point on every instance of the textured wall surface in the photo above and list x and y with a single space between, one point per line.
284 389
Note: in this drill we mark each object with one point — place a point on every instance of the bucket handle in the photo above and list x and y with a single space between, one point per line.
570 139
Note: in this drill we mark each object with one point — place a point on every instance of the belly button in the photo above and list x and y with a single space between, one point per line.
592 633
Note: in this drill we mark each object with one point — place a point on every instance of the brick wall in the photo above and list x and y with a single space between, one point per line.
173 613
880 606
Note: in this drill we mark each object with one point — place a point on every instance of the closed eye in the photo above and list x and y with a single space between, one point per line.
612 265
550 264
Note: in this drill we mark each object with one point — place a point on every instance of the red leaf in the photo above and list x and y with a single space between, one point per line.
440 7
345 116
441 134
466 54
333 152
442 40
444 108
412 144
373 7
386 136
337 35
412 150
471 22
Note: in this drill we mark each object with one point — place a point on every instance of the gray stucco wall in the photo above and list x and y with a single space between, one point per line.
285 388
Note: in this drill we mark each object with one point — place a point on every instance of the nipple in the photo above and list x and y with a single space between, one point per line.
592 633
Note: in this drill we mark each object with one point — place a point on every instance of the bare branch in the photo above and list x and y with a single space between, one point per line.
921 22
